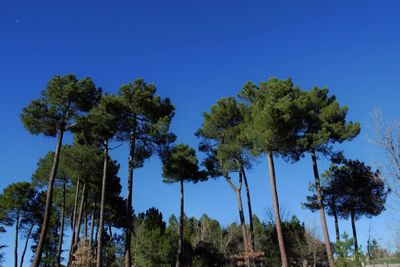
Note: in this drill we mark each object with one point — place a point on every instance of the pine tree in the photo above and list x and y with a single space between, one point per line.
64 98
273 127
146 124
15 204
100 127
324 124
181 166
219 133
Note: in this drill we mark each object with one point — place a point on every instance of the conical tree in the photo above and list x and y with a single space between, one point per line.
100 127
146 125
64 98
273 126
324 124
181 165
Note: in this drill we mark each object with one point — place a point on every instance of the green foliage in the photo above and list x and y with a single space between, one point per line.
182 164
362 190
64 98
324 121
274 121
103 122
222 138
344 250
146 120
150 244
16 201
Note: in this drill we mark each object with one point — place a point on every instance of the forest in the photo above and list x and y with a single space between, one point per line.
73 213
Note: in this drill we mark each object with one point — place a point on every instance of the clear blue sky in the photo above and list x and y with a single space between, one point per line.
196 52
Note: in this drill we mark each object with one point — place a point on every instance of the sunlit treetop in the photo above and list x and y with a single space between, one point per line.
63 100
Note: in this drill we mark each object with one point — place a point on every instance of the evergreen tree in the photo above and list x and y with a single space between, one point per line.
146 124
324 124
273 127
15 204
64 98
330 192
219 133
181 166
363 193
99 128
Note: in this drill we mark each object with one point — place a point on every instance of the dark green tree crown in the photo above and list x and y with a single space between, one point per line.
103 123
273 124
182 164
147 118
324 121
64 98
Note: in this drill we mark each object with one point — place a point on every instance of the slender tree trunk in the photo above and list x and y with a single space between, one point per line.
74 220
353 226
16 240
336 227
102 203
79 222
128 230
281 241
322 210
26 245
110 232
85 221
181 222
252 239
49 202
92 226
97 229
60 240
238 191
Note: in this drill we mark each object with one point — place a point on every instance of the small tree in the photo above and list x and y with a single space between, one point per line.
15 203
63 100
363 193
181 166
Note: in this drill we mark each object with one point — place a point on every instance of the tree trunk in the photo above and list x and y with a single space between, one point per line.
353 226
102 203
322 210
181 222
16 240
79 222
241 215
281 241
336 227
26 245
128 230
252 239
92 226
74 220
60 240
85 221
49 202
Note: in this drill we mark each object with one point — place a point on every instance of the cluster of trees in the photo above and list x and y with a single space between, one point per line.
78 184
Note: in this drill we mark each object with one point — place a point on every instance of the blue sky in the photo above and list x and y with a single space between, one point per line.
196 52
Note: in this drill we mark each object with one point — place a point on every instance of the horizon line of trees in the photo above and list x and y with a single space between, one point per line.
79 183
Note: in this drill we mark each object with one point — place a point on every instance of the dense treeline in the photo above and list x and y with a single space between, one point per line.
76 189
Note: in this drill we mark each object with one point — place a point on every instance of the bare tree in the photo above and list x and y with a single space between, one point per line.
386 136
